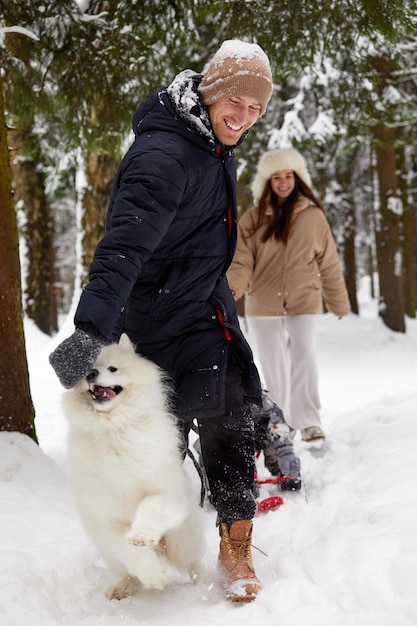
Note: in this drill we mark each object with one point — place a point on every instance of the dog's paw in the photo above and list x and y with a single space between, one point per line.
142 538
126 587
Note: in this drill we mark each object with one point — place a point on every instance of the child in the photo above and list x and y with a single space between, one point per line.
274 437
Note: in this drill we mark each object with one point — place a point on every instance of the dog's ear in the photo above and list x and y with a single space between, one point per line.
125 343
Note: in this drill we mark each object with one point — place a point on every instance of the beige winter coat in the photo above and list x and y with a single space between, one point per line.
291 279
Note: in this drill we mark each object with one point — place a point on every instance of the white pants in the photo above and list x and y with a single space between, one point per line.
284 349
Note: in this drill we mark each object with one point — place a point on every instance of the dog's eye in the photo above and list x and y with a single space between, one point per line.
112 369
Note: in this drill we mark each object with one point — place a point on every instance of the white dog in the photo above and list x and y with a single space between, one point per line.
126 471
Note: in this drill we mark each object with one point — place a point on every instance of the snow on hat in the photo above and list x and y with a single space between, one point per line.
275 160
238 69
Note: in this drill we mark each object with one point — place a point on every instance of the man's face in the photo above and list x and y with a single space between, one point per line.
231 117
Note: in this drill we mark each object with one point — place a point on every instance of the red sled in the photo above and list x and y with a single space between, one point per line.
269 504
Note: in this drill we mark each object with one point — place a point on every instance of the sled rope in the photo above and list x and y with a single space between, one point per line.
273 480
200 473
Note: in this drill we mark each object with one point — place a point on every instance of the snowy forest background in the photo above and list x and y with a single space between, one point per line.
72 75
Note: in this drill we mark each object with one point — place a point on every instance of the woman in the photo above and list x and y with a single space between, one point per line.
286 262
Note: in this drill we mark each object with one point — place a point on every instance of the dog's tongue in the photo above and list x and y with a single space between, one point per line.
104 392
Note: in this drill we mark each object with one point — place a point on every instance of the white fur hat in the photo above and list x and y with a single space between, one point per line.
274 160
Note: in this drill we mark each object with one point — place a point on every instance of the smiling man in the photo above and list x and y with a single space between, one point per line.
159 275
236 89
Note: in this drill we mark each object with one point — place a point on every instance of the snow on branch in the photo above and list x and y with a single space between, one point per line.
20 30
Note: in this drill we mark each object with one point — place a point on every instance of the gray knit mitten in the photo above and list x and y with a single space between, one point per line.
74 357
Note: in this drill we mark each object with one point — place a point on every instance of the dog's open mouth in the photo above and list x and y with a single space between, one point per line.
104 394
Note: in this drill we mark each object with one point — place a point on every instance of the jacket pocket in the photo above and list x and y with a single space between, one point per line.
201 391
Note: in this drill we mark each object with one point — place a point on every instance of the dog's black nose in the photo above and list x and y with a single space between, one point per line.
92 375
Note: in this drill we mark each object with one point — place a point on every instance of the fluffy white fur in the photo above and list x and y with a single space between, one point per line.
126 472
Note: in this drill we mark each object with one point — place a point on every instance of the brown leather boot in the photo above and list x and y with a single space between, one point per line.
235 562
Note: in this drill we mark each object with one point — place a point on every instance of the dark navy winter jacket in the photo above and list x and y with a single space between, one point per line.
159 272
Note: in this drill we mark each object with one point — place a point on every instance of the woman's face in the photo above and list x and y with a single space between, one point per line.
283 183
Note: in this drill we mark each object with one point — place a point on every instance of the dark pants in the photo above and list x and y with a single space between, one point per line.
228 452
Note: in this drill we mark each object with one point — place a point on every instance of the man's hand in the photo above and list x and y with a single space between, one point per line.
74 357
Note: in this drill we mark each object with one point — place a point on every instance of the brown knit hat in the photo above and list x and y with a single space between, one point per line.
238 69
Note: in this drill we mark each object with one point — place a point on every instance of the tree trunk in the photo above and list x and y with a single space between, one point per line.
388 218
349 260
99 171
29 188
16 407
407 181
349 232
388 233
371 272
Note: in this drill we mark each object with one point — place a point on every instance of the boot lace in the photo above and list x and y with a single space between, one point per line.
240 548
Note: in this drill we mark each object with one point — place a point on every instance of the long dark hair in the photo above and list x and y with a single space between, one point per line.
281 220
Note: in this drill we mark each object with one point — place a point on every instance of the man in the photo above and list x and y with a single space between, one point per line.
158 274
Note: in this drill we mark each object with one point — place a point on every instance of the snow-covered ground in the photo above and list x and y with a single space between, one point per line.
343 552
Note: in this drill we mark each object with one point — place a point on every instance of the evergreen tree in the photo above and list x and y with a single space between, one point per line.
16 408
